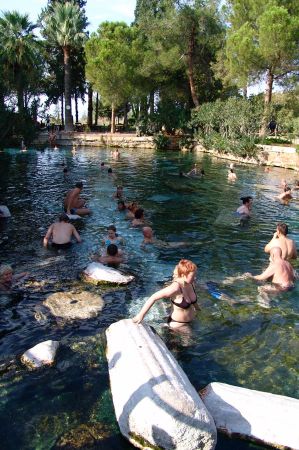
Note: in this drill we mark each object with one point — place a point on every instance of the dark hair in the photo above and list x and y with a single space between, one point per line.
139 213
202 172
283 228
287 189
112 250
112 227
122 203
79 185
231 170
246 199
65 170
109 170
102 163
63 218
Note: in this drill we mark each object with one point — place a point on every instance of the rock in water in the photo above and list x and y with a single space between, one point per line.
258 416
4 211
155 404
40 355
98 273
71 305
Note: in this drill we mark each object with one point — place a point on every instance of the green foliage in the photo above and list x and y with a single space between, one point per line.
186 142
229 126
161 141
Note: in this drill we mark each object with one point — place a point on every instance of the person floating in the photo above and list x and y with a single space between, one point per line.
287 246
73 204
182 292
61 233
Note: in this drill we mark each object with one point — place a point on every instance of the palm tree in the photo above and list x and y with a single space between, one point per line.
63 26
18 50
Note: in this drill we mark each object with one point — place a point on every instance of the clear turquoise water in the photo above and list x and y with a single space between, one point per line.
242 344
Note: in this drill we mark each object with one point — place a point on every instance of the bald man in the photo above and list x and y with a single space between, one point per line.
279 271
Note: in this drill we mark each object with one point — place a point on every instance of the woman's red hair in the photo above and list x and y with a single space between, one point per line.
184 267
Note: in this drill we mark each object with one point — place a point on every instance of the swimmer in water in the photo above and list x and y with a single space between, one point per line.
193 172
121 206
73 203
7 278
113 256
279 272
132 208
287 246
231 175
285 196
119 193
138 218
182 294
148 238
244 211
112 237
61 233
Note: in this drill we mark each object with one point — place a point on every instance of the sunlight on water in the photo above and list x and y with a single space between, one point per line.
241 342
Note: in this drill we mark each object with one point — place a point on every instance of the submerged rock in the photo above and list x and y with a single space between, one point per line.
71 305
99 273
40 355
84 436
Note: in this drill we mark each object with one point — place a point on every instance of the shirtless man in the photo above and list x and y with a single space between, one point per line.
112 256
245 208
148 238
73 204
138 218
287 246
279 271
285 196
61 233
231 175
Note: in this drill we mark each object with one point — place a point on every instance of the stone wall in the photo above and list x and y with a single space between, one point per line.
270 155
120 140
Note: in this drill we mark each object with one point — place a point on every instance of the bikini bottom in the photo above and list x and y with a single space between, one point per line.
170 319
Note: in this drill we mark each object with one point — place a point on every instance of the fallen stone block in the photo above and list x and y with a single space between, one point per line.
155 404
99 273
40 355
259 416
72 306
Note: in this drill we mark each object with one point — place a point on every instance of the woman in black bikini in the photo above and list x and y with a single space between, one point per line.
181 290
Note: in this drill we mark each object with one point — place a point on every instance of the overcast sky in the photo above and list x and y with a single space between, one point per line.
97 10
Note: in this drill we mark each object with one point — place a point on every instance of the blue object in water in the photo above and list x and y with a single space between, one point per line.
214 290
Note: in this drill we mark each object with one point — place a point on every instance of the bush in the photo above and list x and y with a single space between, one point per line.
161 141
186 142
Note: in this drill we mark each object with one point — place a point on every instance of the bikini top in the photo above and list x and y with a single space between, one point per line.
184 304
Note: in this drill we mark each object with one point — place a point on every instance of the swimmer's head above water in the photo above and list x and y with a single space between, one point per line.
186 270
147 232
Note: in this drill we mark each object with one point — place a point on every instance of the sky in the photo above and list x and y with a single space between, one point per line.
97 11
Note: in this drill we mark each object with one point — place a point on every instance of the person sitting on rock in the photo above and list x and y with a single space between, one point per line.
61 233
73 203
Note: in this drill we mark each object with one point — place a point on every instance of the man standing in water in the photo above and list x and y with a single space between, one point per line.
279 271
287 246
61 233
73 203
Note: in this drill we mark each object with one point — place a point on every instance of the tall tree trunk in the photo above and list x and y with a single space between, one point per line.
20 94
76 108
90 107
126 108
267 101
112 118
96 117
152 103
244 91
67 90
62 112
190 66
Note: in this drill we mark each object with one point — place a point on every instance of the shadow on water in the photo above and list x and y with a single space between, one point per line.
71 402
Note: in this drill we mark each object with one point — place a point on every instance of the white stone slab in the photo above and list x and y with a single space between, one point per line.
100 273
261 416
40 355
155 403
5 211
